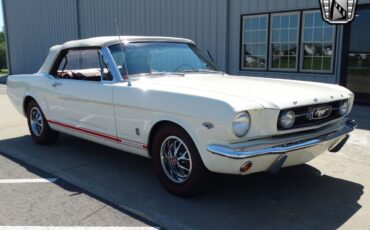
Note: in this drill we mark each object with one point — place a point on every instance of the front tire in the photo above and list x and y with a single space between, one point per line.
177 162
40 130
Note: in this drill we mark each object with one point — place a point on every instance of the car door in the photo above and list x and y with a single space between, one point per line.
84 90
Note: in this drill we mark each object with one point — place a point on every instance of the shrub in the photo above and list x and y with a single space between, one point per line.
3 63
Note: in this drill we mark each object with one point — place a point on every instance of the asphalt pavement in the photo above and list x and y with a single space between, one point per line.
99 186
31 197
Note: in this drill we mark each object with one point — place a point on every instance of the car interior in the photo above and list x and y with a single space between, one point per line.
83 65
81 74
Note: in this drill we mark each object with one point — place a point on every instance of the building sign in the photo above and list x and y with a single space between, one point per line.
338 11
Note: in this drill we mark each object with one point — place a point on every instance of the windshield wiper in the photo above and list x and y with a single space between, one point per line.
202 71
156 73
182 73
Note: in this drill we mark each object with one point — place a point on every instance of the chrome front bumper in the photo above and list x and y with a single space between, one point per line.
341 134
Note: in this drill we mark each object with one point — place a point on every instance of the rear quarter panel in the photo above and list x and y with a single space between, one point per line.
36 86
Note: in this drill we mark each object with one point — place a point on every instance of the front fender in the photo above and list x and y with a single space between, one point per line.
188 125
201 135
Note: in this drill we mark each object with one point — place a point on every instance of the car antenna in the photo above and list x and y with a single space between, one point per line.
122 53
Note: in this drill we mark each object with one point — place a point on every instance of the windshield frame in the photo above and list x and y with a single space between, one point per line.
197 52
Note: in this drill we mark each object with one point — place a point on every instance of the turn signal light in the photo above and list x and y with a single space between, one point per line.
246 166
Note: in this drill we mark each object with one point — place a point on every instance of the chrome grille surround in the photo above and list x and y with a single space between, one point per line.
313 115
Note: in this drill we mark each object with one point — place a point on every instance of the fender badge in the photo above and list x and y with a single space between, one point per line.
137 131
208 125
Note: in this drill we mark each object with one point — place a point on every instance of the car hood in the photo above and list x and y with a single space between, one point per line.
237 90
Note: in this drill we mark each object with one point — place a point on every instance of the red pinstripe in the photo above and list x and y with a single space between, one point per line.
97 134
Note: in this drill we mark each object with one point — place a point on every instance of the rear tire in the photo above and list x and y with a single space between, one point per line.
40 130
177 162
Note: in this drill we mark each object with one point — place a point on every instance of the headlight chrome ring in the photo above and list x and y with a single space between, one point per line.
241 124
287 119
344 107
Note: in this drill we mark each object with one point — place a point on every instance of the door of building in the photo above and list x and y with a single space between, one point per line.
357 77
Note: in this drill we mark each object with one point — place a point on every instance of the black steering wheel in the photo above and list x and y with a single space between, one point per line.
182 66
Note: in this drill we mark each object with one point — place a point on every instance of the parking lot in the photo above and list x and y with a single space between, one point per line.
79 183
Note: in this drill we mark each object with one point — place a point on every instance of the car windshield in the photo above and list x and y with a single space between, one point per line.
160 58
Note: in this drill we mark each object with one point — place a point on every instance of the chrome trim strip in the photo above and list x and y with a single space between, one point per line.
280 133
310 113
349 126
112 65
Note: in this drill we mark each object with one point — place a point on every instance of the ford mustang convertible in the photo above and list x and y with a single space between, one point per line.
162 98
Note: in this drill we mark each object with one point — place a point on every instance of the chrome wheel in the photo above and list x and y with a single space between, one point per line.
37 123
176 159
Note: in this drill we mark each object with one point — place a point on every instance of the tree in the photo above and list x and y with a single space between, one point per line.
2 37
3 63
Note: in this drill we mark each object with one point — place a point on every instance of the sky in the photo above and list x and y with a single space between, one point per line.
1 17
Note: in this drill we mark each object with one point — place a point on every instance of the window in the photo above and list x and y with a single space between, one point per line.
83 65
284 41
317 43
160 57
295 41
254 42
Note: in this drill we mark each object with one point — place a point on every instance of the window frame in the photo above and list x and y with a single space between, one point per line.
297 42
334 43
62 54
300 38
241 60
201 55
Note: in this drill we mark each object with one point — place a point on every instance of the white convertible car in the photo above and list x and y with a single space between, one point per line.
161 98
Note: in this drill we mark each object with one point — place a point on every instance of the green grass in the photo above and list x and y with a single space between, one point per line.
317 63
285 62
4 71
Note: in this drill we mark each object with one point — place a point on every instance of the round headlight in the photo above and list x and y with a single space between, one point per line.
241 124
287 119
343 108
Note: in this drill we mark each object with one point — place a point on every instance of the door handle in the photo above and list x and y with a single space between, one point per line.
55 84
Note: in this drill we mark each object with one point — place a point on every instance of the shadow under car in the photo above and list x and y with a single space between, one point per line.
298 197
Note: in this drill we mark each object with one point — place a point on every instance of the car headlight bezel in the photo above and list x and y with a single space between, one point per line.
287 119
344 108
241 124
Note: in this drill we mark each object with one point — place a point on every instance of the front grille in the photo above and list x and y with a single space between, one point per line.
304 115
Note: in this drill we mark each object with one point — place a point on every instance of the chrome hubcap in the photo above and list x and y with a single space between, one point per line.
175 159
37 123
